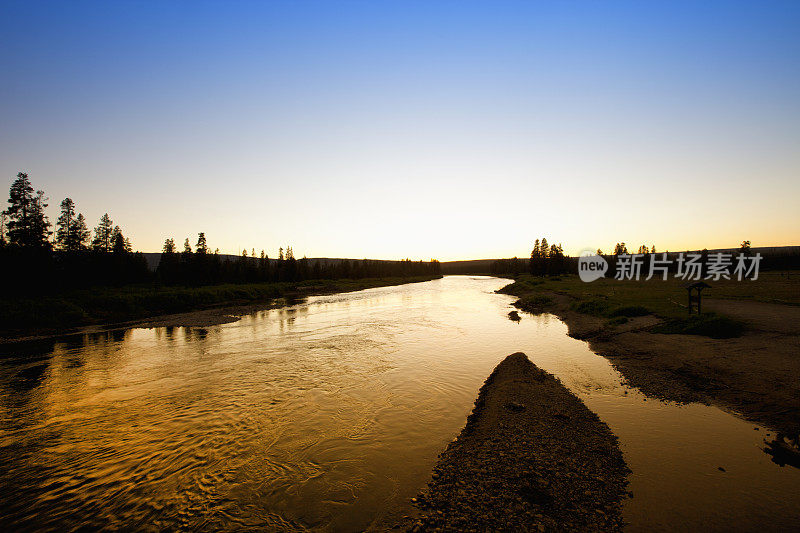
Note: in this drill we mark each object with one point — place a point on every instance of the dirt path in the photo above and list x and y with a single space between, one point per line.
759 316
532 457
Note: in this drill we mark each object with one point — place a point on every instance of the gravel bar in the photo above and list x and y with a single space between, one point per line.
532 457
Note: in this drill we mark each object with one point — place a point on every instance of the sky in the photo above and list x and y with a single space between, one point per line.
436 129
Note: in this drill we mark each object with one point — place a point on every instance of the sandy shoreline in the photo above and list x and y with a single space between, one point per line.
753 375
532 457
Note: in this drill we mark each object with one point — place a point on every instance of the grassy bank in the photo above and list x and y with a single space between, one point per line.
618 301
51 314
644 330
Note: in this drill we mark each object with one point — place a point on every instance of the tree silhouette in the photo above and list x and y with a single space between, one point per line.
118 242
745 248
78 235
41 224
64 224
102 234
3 221
20 196
555 260
27 224
201 247
620 249
116 235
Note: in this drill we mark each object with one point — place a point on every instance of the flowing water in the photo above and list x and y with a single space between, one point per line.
330 414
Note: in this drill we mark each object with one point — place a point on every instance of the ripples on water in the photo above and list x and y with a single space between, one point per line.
329 415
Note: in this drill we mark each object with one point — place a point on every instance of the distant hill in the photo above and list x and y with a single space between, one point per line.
472 266
763 250
153 258
483 266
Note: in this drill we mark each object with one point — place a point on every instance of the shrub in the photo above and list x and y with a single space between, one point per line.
595 307
708 325
630 311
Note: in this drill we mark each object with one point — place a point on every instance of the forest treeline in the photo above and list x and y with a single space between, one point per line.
39 258
549 260
545 260
201 267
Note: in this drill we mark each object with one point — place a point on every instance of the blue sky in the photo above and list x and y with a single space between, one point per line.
421 129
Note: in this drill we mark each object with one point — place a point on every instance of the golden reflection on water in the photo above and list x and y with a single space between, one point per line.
330 414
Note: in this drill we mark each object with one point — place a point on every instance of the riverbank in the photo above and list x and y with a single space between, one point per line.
637 326
532 457
154 306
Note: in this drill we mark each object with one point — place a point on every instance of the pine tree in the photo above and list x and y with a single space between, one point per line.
102 234
79 234
3 222
187 248
533 263
41 224
544 249
119 244
745 248
169 247
116 235
64 224
27 224
20 196
118 241
201 247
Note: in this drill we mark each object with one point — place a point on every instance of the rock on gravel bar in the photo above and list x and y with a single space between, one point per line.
532 457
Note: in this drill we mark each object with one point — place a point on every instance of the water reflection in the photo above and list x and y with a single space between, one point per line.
329 414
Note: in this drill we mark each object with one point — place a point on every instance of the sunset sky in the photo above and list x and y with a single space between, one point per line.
452 130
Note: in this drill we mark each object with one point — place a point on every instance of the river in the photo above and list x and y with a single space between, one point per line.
329 415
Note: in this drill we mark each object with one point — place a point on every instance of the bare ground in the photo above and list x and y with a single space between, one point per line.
531 457
754 375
